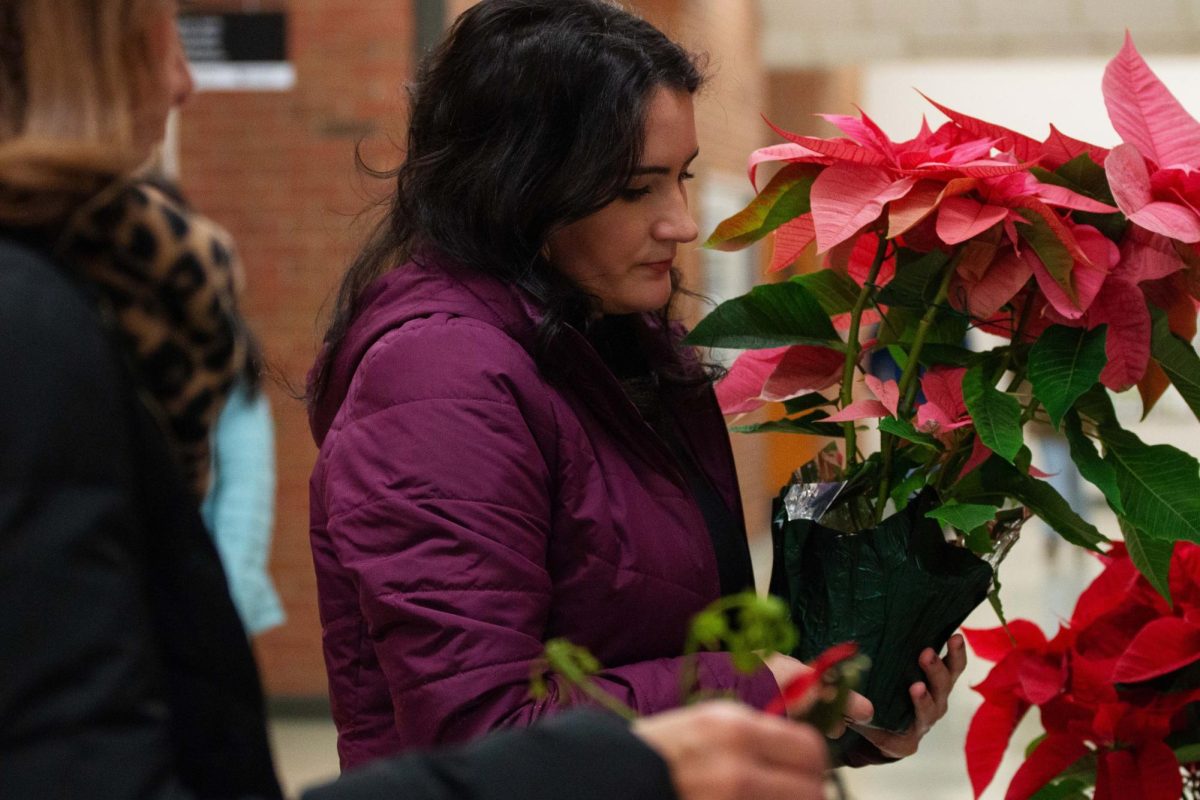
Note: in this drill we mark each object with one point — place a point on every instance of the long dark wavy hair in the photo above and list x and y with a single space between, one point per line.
528 116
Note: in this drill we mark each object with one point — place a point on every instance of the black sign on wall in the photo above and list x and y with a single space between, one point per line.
238 51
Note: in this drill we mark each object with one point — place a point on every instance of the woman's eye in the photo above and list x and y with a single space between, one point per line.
634 192
686 176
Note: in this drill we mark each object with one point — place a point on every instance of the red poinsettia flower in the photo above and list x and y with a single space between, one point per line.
1086 683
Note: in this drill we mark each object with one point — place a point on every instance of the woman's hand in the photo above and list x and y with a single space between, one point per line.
719 750
930 703
785 669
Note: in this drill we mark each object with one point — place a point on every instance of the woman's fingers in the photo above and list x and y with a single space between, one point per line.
930 700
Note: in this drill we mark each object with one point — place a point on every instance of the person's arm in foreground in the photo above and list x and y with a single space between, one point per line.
712 751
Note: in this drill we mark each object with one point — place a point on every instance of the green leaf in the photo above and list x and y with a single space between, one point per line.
784 198
979 541
904 430
916 282
899 355
805 402
963 516
1054 254
996 415
835 291
772 315
1069 789
1042 499
1063 364
908 488
1188 754
1151 556
810 425
934 354
949 327
1096 405
1081 174
1091 466
1178 359
1159 484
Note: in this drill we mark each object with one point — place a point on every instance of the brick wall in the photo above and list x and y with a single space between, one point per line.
277 169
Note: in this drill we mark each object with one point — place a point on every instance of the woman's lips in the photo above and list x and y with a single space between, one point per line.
661 266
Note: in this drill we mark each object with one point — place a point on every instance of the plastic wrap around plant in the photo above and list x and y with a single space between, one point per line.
894 589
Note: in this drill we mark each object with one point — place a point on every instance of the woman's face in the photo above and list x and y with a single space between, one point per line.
169 82
623 253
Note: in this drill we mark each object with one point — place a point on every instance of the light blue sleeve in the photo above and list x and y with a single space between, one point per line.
239 508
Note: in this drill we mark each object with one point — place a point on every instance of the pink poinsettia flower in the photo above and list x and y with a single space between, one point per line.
944 409
777 374
867 170
886 403
1155 174
1056 150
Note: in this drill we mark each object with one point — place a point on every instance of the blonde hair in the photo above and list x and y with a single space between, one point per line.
70 72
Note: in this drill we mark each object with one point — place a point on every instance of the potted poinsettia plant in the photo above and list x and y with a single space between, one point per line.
1081 262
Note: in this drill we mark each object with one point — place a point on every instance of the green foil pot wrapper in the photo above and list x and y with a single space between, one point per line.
895 589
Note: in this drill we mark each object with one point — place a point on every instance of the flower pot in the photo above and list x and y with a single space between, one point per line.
894 589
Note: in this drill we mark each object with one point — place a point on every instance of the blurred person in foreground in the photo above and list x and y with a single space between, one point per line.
125 672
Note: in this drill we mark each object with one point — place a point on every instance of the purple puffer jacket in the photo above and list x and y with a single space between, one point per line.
464 511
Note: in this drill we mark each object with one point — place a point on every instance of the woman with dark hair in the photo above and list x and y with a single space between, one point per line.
514 445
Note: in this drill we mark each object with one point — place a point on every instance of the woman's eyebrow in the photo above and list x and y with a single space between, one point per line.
654 169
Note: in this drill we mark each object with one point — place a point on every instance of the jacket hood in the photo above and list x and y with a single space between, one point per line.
426 285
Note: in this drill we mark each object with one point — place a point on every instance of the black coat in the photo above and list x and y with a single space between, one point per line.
124 670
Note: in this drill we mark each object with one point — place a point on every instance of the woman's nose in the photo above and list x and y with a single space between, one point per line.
676 224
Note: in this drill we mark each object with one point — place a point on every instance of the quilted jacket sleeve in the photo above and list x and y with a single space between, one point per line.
439 490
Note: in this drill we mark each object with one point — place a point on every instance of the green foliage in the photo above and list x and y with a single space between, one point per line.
805 402
916 281
905 430
784 198
965 517
1178 359
1151 556
1042 499
996 415
1091 466
1081 174
743 624
576 666
835 291
1063 364
1159 485
772 315
948 328
1054 254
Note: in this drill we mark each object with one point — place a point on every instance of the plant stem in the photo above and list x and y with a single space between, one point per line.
907 386
853 351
